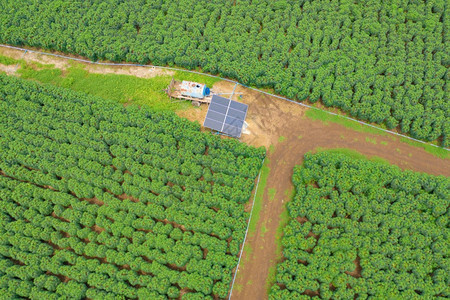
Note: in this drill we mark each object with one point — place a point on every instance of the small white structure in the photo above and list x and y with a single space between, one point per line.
189 90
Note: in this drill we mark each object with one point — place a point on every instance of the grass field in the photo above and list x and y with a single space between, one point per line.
438 152
7 61
265 171
124 89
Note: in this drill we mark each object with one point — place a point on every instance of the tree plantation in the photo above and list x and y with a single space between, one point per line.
382 61
360 229
104 202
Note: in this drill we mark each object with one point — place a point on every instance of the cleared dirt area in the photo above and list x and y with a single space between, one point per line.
283 127
62 63
8 69
143 72
283 124
16 54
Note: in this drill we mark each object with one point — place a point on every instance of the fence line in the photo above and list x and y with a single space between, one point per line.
246 231
226 79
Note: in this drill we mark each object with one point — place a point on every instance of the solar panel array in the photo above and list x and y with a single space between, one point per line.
226 116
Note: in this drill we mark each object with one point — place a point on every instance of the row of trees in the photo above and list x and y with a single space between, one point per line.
364 229
87 211
380 61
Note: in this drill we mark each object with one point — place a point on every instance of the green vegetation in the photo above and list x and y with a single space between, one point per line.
284 219
238 288
121 88
271 149
281 139
361 229
352 154
7 61
380 61
124 89
105 202
263 230
371 140
271 193
265 170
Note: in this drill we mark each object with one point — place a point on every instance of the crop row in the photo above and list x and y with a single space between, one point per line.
380 61
364 229
104 202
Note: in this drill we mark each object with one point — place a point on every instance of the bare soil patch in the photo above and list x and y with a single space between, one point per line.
58 62
16 54
143 72
64 63
94 201
97 229
357 272
9 70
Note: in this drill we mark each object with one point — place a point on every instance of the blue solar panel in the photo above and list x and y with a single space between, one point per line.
226 116
220 100
233 121
218 108
216 116
213 124
231 130
236 114
238 106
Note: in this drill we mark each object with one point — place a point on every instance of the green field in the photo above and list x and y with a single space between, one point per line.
124 89
105 202
379 61
363 228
